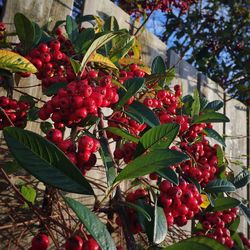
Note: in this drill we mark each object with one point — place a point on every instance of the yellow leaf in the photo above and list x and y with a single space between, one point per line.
15 63
99 22
205 202
137 49
98 58
145 69
125 61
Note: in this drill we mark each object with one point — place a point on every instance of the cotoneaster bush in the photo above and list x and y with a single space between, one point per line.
103 110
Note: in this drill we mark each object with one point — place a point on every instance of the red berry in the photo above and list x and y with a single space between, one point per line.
54 135
74 243
40 242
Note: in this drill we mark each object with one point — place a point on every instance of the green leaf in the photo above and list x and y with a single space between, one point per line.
219 186
187 104
139 209
211 117
158 137
45 127
33 114
158 65
45 161
224 203
213 134
242 179
121 46
156 229
132 86
11 167
92 223
38 34
71 28
169 174
96 44
25 31
83 40
197 243
196 104
122 133
53 89
238 242
75 65
220 156
148 115
107 161
135 116
170 75
111 24
246 211
29 193
234 226
214 105
151 162
203 102
28 99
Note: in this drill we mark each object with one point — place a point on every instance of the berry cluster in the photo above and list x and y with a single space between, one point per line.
80 154
245 240
181 203
215 225
205 167
77 243
125 152
14 111
80 98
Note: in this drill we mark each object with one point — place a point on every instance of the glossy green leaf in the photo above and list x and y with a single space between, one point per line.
199 243
215 135
234 226
242 179
211 117
33 114
122 133
38 34
83 40
111 24
158 137
107 161
25 31
139 209
45 161
196 105
132 86
135 116
219 186
224 203
71 28
29 194
169 174
148 115
92 223
158 65
96 44
151 162
53 89
214 105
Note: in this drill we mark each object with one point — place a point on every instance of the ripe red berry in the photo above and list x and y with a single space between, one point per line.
54 135
74 243
40 242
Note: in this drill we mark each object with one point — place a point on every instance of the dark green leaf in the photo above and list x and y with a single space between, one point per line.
213 134
45 127
238 242
25 31
71 28
11 167
132 86
33 114
219 186
234 226
57 24
224 203
111 24
138 209
187 104
148 115
135 116
151 162
28 99
53 89
203 102
197 243
158 137
196 104
211 117
45 161
38 34
214 105
107 161
246 212
169 174
83 40
122 133
158 65
242 179
29 193
92 223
